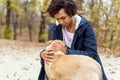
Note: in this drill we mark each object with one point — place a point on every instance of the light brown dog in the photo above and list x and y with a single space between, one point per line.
72 67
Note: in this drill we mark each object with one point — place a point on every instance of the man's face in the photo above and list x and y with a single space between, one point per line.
63 18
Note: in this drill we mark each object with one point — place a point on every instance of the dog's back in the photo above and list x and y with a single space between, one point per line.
73 67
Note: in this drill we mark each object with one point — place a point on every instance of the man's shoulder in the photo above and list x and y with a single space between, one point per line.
53 26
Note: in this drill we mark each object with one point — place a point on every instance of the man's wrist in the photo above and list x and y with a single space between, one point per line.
41 52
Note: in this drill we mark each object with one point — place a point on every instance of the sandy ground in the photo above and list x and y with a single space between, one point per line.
20 61
111 66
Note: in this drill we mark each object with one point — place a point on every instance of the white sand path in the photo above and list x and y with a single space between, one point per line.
23 63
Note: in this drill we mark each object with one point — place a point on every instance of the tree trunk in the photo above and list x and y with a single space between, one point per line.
8 14
111 39
42 27
15 25
30 32
7 30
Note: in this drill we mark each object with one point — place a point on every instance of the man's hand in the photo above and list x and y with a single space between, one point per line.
58 46
55 46
47 56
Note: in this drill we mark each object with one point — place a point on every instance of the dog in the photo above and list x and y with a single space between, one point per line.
72 67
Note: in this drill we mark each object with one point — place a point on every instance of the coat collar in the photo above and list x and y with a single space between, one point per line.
82 26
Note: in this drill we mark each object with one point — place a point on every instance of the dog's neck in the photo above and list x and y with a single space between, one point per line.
58 54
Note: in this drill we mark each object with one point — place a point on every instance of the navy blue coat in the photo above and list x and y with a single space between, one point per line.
84 43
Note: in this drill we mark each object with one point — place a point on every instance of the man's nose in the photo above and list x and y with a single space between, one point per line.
61 22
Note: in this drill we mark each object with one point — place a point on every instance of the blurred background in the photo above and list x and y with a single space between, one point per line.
27 20
24 30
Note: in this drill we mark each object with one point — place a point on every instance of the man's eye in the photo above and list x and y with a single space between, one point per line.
63 18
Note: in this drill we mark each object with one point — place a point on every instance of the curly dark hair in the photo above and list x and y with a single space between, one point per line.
68 5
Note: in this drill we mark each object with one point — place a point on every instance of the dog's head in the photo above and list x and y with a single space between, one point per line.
52 43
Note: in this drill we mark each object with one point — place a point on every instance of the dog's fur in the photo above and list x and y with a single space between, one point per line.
72 67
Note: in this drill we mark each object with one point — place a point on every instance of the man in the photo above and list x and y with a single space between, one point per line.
76 32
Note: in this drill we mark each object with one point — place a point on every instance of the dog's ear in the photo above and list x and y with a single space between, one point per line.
48 42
